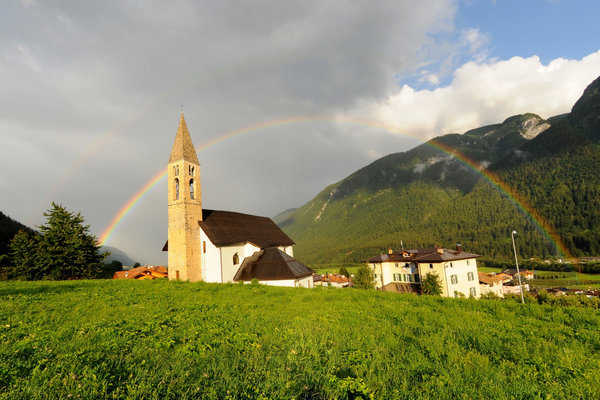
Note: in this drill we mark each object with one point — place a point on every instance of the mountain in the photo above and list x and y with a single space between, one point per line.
8 228
116 255
426 196
282 216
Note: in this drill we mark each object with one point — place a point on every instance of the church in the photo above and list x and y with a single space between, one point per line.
221 246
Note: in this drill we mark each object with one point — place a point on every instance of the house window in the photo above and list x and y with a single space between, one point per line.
468 262
396 265
450 265
236 259
375 276
406 265
470 276
454 279
176 189
410 277
192 189
417 279
472 292
204 246
430 266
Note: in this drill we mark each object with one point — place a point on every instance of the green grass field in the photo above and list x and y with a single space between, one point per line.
160 340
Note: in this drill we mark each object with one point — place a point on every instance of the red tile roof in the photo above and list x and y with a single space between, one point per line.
149 271
490 279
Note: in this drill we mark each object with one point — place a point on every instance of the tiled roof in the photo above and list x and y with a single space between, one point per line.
271 264
490 279
135 273
335 278
431 254
226 228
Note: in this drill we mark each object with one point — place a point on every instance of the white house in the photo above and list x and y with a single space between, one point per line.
456 269
491 283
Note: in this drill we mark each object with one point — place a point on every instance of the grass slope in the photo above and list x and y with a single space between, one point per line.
157 340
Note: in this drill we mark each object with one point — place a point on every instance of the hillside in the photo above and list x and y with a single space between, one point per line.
426 197
8 228
216 341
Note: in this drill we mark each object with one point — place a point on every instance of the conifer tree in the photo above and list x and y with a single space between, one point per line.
64 248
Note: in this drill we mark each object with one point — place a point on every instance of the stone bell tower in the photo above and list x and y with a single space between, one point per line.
185 208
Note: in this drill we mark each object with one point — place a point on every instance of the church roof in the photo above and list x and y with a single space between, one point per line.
225 228
271 264
183 148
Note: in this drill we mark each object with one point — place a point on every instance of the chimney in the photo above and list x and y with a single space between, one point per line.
440 250
458 247
390 251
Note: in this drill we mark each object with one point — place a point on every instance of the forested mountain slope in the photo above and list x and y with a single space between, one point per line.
426 196
8 228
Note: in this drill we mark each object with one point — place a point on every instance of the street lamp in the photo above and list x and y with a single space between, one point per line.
517 263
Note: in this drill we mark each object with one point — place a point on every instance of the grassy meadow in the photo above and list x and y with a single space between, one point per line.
161 340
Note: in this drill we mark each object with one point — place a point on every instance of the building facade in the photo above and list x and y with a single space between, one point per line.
456 270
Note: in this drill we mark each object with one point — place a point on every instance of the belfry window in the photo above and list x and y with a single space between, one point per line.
176 182
191 170
192 189
236 259
175 170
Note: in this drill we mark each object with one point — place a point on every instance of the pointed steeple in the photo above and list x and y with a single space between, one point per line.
183 148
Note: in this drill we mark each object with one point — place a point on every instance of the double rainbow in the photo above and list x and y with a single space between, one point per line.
540 223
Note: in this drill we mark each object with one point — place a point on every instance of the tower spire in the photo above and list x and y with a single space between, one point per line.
183 147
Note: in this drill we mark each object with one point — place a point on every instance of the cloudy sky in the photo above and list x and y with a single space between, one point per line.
91 93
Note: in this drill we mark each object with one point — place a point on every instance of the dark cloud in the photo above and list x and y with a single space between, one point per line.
91 95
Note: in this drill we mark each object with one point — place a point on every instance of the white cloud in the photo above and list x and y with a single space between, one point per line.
486 93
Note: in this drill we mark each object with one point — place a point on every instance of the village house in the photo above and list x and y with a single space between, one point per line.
513 287
404 270
212 245
525 274
491 283
332 280
143 272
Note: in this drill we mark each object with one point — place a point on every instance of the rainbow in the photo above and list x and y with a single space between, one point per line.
494 179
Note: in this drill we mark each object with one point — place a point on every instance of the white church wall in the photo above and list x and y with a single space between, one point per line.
243 250
289 250
211 259
306 282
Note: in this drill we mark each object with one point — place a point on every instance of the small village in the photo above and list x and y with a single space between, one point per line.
223 246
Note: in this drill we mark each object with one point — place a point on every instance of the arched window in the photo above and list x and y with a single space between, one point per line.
236 259
191 189
176 182
191 170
